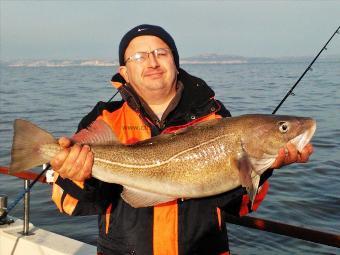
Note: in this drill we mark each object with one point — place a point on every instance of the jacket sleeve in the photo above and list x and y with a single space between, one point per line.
91 196
237 202
83 198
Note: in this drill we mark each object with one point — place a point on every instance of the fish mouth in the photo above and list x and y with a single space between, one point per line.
303 139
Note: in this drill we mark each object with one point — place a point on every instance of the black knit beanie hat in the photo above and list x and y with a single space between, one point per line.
146 29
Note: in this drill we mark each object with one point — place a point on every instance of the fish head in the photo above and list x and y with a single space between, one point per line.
264 135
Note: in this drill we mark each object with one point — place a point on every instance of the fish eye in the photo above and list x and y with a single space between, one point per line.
283 126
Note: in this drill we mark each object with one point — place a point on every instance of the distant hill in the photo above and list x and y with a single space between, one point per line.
211 58
234 59
214 58
58 63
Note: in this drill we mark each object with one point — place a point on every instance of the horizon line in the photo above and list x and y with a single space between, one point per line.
183 58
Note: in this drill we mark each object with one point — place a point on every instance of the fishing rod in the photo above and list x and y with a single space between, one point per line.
306 234
290 92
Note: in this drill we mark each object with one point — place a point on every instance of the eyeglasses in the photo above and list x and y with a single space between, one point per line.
140 57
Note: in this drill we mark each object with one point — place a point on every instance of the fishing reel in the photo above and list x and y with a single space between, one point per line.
3 211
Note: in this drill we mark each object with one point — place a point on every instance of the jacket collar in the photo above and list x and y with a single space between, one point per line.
196 91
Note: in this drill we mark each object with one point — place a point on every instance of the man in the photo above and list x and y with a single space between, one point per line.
158 97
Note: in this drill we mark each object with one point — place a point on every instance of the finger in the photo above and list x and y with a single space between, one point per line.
66 170
64 142
85 172
310 148
292 154
303 158
58 160
279 161
80 160
305 153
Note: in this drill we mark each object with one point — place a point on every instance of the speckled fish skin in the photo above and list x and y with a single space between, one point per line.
200 161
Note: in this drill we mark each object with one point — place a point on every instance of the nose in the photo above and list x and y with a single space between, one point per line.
153 62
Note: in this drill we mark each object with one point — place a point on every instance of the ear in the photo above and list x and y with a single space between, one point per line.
123 72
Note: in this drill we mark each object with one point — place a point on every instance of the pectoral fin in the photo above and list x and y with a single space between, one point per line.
248 177
252 191
140 198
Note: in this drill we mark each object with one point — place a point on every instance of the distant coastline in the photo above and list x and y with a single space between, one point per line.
199 59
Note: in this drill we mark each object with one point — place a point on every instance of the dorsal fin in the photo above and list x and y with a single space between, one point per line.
98 133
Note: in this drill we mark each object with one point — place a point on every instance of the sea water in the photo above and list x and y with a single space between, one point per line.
306 195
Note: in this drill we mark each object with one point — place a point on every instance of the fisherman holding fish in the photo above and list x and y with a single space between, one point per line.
160 98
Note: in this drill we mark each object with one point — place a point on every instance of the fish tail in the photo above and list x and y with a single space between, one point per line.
27 141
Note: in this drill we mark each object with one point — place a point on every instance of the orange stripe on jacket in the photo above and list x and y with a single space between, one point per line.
57 192
69 203
219 218
107 219
165 229
126 124
258 199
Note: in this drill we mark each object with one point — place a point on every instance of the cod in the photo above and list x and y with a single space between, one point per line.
203 160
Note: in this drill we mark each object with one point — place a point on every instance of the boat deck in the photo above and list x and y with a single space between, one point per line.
39 242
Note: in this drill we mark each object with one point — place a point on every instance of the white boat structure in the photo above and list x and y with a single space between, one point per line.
39 242
20 237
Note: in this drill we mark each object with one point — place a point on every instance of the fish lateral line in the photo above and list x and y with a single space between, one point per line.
164 162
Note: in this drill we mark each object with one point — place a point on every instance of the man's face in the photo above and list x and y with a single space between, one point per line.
152 74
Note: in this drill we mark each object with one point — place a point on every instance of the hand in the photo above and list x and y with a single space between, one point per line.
73 161
290 155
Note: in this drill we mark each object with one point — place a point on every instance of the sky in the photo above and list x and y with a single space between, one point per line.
92 29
